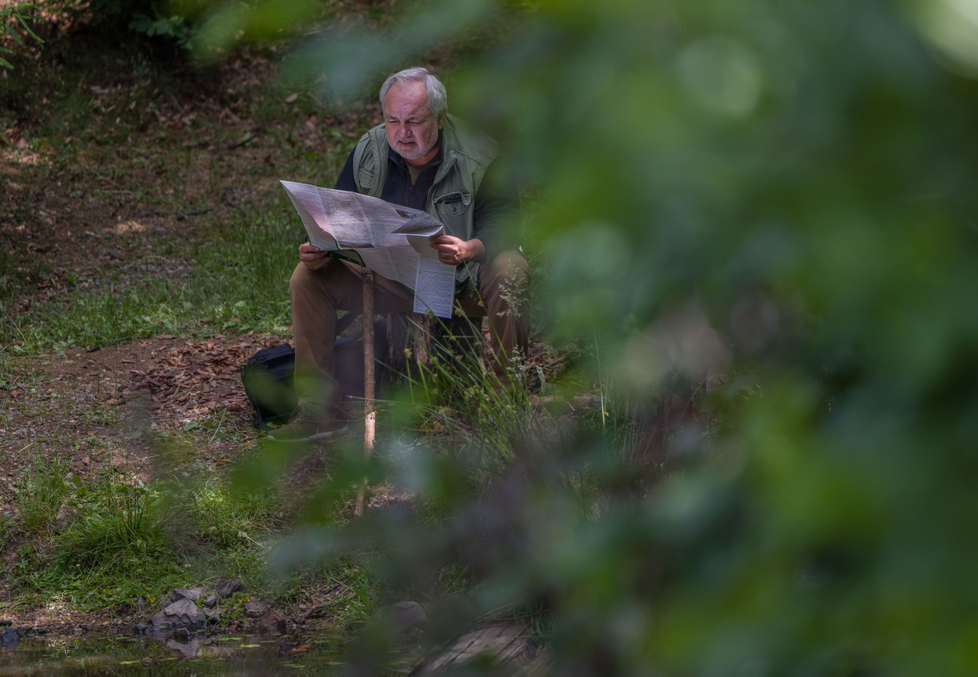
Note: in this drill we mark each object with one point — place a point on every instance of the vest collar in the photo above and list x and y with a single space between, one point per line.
448 152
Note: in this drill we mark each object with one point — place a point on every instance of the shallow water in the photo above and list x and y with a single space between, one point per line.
197 655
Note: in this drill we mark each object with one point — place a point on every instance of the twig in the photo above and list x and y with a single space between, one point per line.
177 103
102 363
316 609
220 425
252 135
198 144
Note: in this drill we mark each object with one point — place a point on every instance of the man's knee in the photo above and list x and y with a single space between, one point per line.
512 263
508 268
504 287
301 279
330 283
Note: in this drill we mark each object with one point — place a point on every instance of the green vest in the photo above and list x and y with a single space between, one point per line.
451 200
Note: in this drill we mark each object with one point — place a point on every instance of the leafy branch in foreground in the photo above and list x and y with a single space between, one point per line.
9 18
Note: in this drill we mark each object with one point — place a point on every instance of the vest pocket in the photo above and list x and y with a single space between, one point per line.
455 211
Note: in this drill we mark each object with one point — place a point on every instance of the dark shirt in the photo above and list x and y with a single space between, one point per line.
497 204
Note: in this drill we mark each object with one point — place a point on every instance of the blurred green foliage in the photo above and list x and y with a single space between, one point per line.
775 198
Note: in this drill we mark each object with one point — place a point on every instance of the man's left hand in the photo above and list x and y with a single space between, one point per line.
453 251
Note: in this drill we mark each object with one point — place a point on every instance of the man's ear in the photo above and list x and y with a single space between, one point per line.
441 119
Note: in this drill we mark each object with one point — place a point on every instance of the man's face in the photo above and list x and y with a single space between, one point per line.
411 130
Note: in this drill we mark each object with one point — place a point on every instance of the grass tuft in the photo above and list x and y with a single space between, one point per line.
41 492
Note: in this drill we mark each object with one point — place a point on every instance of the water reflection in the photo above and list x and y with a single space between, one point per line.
166 654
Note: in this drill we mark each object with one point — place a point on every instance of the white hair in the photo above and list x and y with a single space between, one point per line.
437 97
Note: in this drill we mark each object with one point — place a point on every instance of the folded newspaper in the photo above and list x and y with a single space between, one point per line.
388 239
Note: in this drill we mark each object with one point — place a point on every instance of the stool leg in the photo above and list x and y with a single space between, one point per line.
370 413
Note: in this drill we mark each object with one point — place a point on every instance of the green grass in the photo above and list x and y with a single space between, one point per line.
42 491
130 539
114 551
230 518
238 285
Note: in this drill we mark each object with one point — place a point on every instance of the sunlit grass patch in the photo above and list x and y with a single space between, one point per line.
231 518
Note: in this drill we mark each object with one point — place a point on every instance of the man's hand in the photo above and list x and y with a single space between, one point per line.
312 256
453 251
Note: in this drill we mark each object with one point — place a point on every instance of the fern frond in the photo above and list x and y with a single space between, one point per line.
28 29
12 33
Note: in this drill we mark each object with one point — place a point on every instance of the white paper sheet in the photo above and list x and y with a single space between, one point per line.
392 240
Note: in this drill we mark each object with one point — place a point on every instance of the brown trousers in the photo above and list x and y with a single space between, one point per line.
317 295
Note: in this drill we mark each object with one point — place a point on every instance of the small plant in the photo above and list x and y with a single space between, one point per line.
169 27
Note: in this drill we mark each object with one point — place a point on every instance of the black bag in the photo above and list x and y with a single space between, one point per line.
268 376
268 382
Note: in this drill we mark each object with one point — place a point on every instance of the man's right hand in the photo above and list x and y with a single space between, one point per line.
312 256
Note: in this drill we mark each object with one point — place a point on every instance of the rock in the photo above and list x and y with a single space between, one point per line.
181 614
272 623
66 515
10 636
226 587
213 615
192 594
400 619
143 628
255 609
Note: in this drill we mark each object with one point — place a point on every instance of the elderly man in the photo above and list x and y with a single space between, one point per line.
421 157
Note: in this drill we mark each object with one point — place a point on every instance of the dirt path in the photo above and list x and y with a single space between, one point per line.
103 407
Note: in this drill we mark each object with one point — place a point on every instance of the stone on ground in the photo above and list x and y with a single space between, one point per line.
192 594
180 614
226 587
66 515
272 623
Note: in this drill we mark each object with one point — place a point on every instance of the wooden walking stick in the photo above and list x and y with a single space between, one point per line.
370 413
